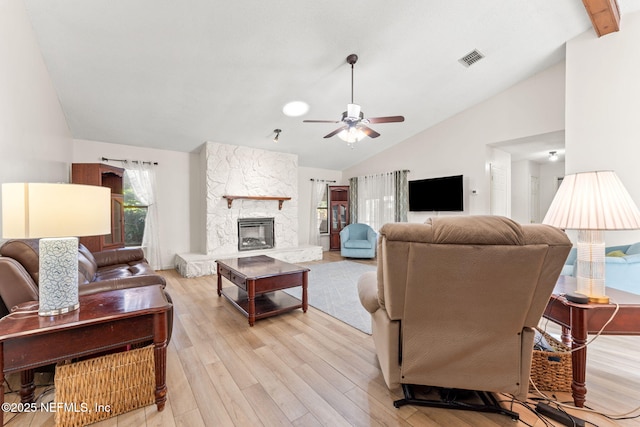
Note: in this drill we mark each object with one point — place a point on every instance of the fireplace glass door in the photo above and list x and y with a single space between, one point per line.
255 233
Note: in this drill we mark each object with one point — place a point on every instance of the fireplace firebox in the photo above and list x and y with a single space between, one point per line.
255 233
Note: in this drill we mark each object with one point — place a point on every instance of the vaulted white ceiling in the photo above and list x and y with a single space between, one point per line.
172 74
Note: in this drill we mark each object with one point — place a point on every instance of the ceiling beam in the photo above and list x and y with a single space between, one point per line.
604 14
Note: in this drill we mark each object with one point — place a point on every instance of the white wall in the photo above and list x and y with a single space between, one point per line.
35 143
305 175
549 174
603 106
521 172
502 160
174 180
458 145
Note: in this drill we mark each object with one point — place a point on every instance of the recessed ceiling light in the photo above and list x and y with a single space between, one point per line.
295 108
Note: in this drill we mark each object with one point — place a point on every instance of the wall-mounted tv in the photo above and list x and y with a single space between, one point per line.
436 194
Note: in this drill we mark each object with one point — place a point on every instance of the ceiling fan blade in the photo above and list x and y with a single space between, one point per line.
368 131
335 132
389 119
321 121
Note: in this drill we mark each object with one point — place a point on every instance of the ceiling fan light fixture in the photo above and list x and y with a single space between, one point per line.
354 125
277 136
295 108
351 135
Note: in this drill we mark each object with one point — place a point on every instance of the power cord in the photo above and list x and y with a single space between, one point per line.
511 399
49 387
584 409
613 315
596 336
9 389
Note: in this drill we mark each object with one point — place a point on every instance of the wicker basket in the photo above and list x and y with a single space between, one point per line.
103 387
551 371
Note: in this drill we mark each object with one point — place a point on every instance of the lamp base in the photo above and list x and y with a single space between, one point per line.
58 287
59 310
591 265
603 299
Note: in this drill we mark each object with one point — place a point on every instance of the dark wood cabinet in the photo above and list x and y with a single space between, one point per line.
338 213
105 176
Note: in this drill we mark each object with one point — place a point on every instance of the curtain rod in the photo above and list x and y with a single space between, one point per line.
322 180
386 173
104 159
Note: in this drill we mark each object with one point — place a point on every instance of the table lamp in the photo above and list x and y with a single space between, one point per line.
57 214
592 202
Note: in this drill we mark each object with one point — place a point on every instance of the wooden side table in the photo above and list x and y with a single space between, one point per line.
578 320
104 321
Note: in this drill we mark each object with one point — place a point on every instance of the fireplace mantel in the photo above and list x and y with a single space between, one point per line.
280 199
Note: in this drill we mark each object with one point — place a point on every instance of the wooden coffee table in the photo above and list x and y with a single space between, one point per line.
259 282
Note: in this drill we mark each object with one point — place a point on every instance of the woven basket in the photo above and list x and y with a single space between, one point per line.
551 371
103 387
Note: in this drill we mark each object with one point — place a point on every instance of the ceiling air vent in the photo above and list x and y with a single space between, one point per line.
471 58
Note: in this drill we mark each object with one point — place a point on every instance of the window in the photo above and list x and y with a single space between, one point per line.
376 199
135 214
378 210
323 212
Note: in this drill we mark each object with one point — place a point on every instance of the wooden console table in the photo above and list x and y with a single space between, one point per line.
259 280
578 320
104 321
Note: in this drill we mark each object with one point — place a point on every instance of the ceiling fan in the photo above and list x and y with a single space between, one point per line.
354 126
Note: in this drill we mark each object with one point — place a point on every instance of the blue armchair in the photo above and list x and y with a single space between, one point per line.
358 241
621 269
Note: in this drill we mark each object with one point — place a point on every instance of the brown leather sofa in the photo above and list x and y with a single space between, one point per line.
455 301
97 272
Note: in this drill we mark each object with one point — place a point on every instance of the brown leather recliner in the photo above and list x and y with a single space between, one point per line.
455 301
97 272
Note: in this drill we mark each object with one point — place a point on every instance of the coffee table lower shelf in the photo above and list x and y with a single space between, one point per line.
267 304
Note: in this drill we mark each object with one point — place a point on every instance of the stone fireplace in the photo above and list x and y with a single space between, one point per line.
245 184
255 233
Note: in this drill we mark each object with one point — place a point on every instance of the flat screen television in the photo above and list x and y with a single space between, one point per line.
436 194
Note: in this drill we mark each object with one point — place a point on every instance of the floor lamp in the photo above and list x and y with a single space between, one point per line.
592 202
53 213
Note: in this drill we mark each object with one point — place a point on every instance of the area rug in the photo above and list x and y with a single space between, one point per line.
333 289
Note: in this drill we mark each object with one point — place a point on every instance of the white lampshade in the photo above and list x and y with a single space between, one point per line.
54 210
592 202
56 213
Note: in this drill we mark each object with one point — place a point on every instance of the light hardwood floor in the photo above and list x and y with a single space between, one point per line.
310 369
